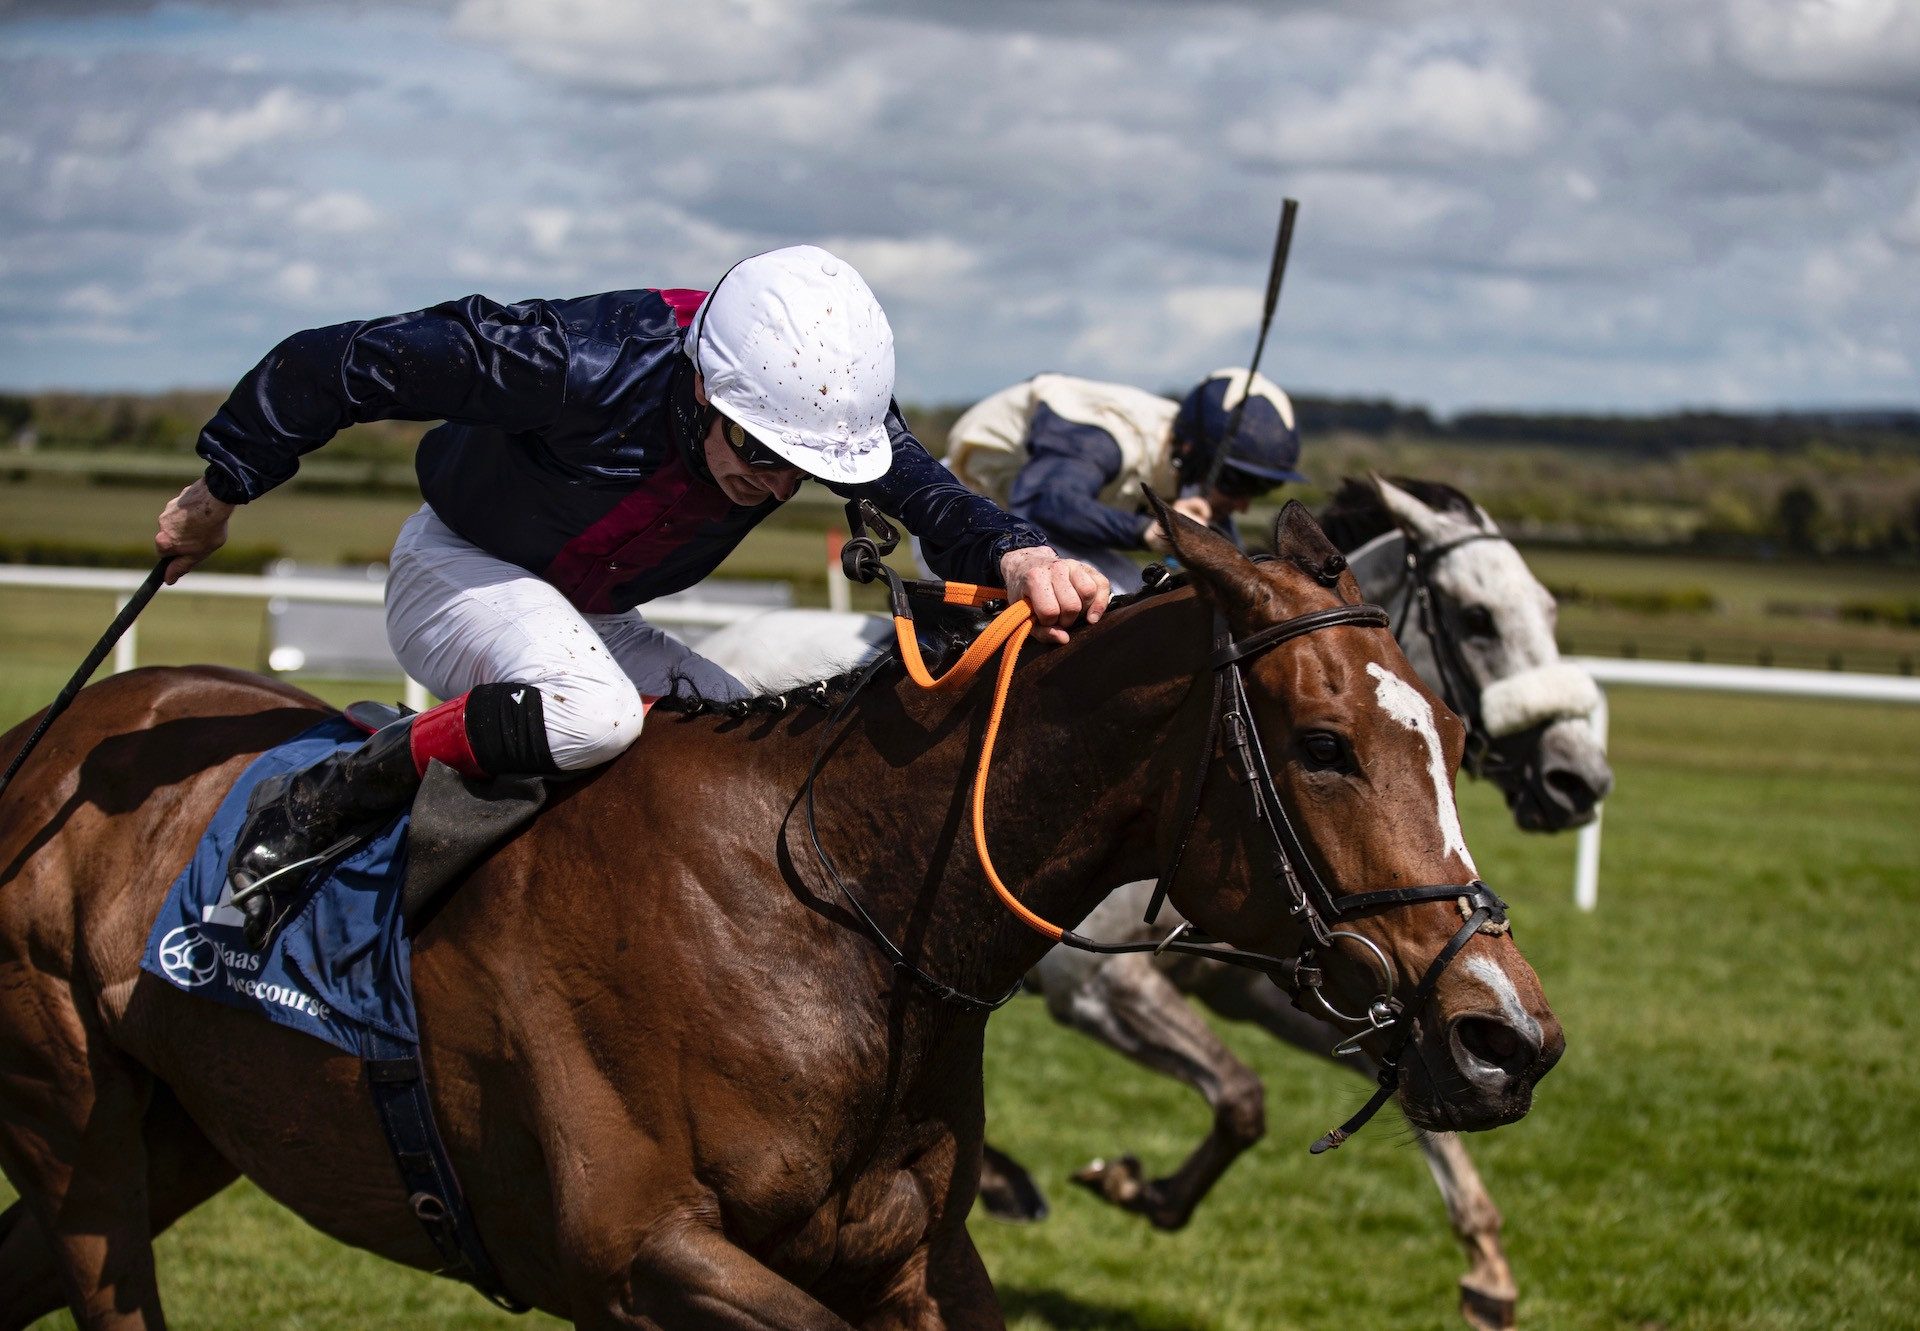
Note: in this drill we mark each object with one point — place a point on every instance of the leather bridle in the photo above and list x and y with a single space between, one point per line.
1457 687
1230 726
1230 720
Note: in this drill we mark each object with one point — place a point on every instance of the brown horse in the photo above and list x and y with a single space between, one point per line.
681 1086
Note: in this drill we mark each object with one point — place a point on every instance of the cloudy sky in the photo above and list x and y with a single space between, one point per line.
1615 204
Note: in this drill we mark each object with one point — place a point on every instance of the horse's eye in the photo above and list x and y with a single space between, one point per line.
1321 750
1478 621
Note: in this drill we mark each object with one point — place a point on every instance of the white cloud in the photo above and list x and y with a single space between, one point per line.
915 269
208 137
1905 229
96 300
1843 44
299 281
647 47
548 228
1406 106
337 212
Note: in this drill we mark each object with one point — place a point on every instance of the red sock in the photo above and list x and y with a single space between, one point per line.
441 732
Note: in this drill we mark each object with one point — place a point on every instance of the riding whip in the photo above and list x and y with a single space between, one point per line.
1282 242
121 623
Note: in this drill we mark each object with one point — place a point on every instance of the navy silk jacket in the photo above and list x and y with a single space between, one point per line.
568 447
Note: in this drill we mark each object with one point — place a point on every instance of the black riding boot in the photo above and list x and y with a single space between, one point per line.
304 815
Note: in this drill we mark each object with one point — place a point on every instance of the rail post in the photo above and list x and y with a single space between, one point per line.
125 653
1586 853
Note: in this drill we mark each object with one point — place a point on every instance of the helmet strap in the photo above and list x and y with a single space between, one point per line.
691 420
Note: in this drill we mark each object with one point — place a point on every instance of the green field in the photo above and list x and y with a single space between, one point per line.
1732 1140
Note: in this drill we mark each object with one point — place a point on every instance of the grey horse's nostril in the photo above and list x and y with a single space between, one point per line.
1495 1044
1570 790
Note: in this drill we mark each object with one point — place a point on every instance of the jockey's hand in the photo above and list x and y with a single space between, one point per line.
1059 590
192 526
1194 506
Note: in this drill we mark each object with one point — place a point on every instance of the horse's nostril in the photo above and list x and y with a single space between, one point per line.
1570 789
1495 1044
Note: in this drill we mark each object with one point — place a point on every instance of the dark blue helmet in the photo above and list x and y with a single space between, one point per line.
1266 448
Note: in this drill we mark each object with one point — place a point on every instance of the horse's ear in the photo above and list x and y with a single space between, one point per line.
1427 525
1298 539
1214 560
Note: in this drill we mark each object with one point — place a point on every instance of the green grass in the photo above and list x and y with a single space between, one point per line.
1732 1140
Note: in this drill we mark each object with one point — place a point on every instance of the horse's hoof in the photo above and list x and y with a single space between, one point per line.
1118 1181
1484 1311
1015 1200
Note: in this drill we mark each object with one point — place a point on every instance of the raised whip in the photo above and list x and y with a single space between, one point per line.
1282 242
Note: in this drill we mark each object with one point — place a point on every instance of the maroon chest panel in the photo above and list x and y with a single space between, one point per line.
669 510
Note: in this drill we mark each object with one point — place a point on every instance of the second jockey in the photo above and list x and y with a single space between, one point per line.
1076 456
597 453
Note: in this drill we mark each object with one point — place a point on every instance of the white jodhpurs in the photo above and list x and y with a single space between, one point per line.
457 617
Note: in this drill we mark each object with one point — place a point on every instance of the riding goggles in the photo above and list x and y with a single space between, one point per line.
748 449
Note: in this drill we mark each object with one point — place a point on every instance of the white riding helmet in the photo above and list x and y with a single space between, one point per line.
794 347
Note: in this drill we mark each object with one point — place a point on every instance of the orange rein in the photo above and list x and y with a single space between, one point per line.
1007 634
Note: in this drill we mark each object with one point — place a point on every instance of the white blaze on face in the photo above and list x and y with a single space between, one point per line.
1401 701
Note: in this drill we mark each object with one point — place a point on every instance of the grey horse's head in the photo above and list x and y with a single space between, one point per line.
1485 641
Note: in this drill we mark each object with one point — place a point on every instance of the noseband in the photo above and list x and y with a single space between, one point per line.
1230 727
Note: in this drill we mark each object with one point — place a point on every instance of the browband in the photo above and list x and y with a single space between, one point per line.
1362 616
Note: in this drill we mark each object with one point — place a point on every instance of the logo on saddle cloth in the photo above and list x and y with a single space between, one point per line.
189 957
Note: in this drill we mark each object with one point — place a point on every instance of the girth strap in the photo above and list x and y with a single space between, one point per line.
399 1089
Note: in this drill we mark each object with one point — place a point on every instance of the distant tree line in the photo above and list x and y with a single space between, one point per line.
1663 435
163 422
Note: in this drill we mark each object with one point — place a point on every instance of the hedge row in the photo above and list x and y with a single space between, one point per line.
1641 600
1900 614
92 554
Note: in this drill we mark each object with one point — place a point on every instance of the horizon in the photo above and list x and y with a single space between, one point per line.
1309 394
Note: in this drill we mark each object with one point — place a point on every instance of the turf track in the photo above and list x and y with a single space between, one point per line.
1731 1142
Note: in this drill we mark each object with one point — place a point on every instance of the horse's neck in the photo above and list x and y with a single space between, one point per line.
1086 756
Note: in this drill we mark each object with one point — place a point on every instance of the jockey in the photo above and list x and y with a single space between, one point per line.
597 453
1075 456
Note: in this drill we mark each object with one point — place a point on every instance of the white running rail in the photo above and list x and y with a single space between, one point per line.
670 611
1723 678
688 611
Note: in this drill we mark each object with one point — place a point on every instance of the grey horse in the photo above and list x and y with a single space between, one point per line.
1479 627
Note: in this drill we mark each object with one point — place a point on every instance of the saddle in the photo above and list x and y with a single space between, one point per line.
456 820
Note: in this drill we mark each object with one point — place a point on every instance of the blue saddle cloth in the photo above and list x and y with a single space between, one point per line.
341 969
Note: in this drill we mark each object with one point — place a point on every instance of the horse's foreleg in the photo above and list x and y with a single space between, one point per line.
942 1288
688 1277
1128 1004
1487 1291
29 1275
1007 1190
